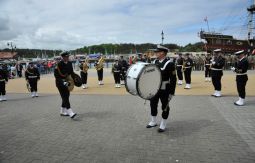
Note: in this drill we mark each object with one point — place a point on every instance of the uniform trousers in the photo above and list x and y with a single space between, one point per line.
65 94
241 81
2 88
162 95
100 74
216 79
187 75
84 77
179 73
207 71
116 76
33 84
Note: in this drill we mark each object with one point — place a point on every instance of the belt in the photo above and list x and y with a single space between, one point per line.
216 69
116 71
179 65
31 77
241 73
2 80
163 84
208 64
188 67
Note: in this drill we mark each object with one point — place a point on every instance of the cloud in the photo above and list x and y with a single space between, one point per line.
64 24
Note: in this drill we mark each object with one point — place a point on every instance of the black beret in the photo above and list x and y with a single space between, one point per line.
65 54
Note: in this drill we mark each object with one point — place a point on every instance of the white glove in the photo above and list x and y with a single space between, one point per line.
213 62
170 97
66 83
233 68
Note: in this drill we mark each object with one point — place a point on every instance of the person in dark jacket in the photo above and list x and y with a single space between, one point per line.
32 77
240 69
62 72
167 89
3 81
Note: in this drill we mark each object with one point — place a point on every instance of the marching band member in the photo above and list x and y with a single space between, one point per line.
218 63
99 65
179 65
32 76
84 73
208 63
187 68
116 68
167 89
241 68
124 66
3 81
63 69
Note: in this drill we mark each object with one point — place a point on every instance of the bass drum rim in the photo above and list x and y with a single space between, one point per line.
126 80
138 78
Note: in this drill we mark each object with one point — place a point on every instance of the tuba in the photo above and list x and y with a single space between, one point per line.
85 67
100 63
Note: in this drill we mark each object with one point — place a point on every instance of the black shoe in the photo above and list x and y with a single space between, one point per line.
149 126
64 115
73 116
161 130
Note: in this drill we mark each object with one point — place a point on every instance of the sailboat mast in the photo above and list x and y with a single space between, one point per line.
251 11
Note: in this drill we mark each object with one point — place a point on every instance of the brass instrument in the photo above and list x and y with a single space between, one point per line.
70 80
100 64
85 67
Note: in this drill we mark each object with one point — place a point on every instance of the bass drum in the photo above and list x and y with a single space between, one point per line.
144 80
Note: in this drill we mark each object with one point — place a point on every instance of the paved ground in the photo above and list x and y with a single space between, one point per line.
111 128
199 86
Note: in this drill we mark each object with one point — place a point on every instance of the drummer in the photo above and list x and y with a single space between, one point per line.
167 89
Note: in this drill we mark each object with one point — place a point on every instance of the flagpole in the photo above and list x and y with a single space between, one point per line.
207 24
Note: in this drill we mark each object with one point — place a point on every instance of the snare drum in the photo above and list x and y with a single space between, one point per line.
144 80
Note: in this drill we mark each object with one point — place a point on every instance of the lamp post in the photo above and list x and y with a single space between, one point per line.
13 47
162 37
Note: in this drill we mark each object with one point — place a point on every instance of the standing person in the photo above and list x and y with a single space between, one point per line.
32 76
116 69
124 66
19 69
179 68
207 65
84 73
99 65
218 63
62 71
167 89
241 68
187 68
3 82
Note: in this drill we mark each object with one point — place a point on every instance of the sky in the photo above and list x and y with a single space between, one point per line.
72 24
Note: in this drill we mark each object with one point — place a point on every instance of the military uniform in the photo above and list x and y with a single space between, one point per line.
188 64
241 67
84 74
100 70
62 70
3 81
116 69
217 73
166 91
32 76
208 63
124 66
179 66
